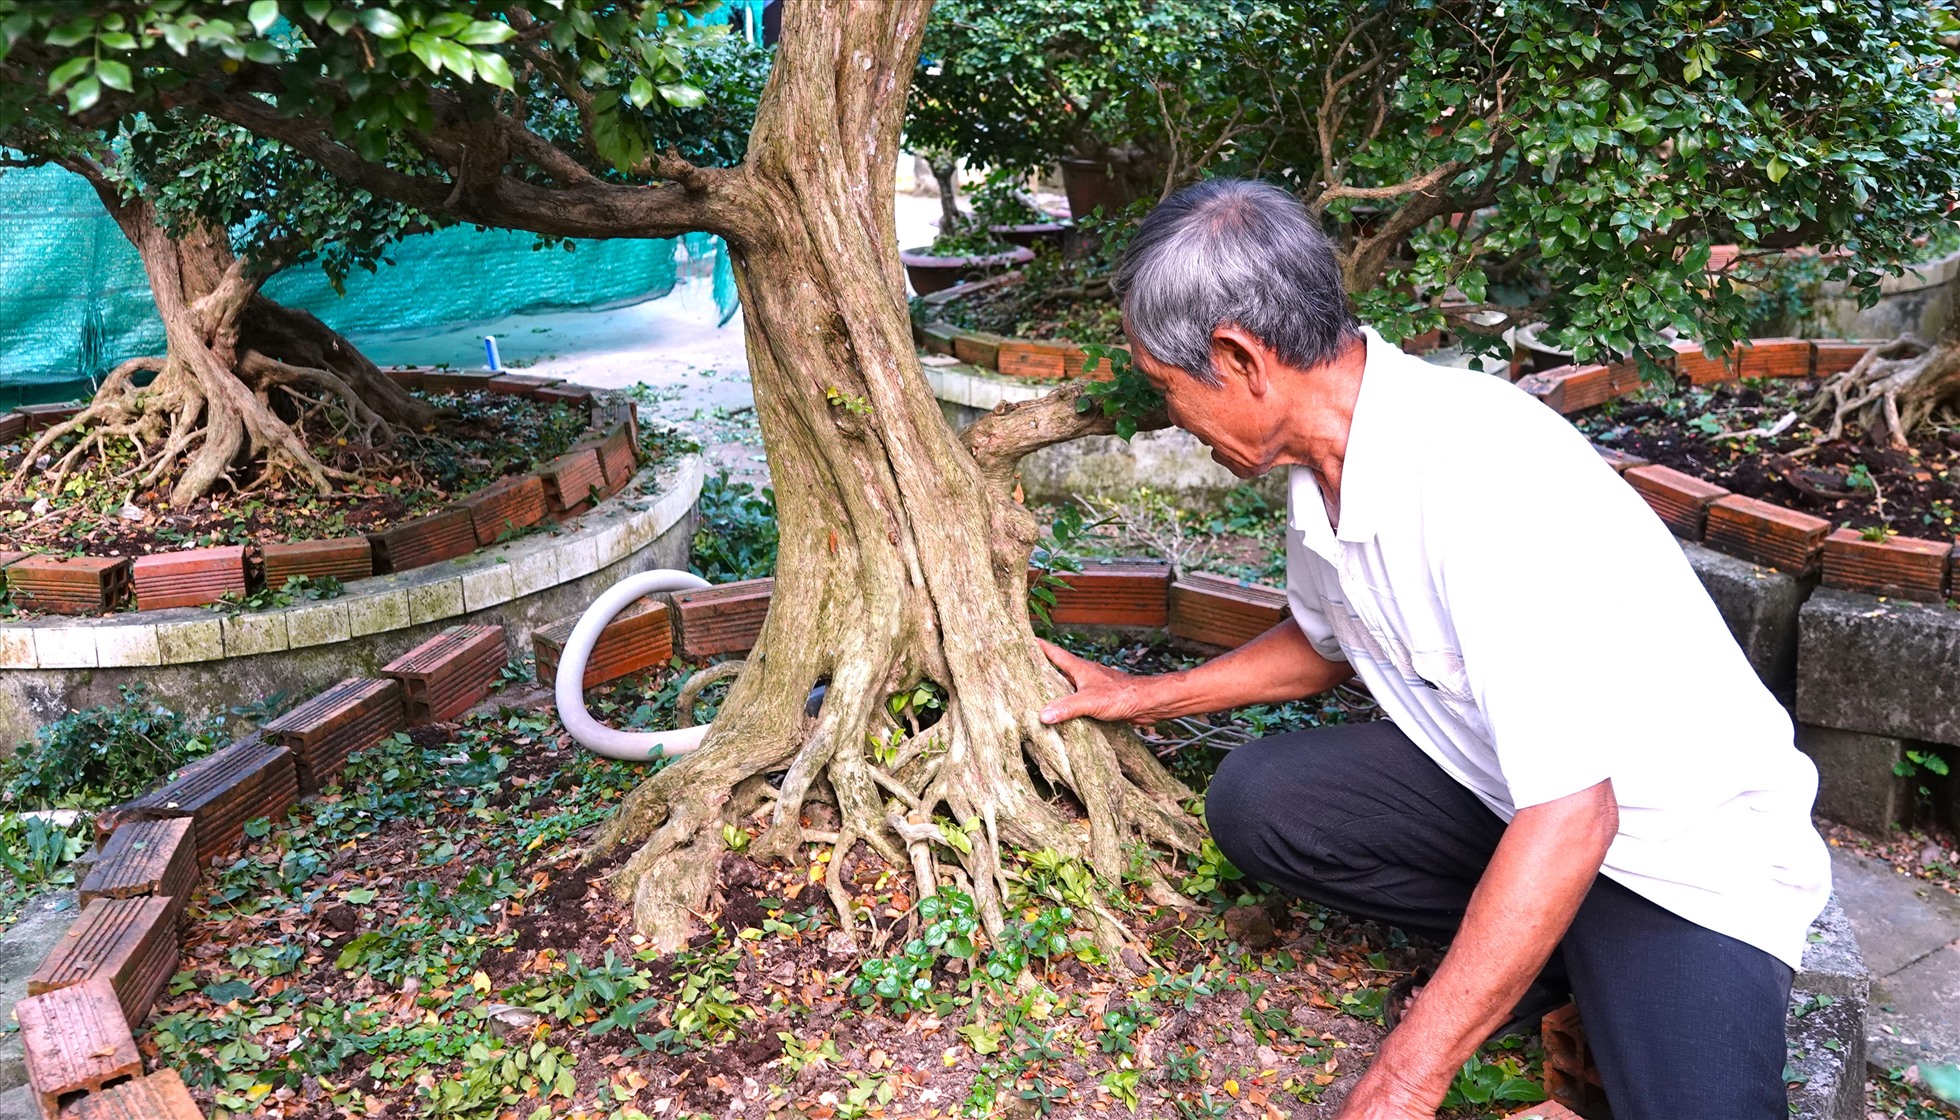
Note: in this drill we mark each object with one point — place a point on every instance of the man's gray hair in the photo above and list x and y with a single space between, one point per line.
1233 252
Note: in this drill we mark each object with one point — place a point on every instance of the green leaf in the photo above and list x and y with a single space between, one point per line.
229 990
263 14
84 94
485 33
383 23
640 93
113 74
1777 169
67 72
683 96
491 67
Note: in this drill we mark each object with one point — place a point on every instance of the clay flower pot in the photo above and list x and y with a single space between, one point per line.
1032 235
1089 185
929 273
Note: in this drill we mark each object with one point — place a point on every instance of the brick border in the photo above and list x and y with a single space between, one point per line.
200 577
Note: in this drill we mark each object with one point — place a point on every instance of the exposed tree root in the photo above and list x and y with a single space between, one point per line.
1893 389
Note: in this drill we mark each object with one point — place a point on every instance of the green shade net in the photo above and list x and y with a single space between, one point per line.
74 300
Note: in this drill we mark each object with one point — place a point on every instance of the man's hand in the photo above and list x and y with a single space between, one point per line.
1100 691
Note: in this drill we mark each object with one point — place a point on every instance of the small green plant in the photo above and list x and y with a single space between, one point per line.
297 589
903 982
1210 872
856 405
1916 761
735 538
103 755
1859 477
1127 397
1877 534
1491 1081
1056 556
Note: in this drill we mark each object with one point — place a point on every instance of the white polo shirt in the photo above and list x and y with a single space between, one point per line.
1528 622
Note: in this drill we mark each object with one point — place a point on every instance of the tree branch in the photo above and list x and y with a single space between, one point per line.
999 440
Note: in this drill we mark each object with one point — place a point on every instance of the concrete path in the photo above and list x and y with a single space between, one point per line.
23 946
1909 930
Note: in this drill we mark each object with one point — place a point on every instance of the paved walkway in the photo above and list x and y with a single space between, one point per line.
23 946
1909 931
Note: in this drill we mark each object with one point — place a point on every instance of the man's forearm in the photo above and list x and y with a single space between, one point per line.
1539 874
1275 667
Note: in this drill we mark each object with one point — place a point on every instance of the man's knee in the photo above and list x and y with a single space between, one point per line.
1236 808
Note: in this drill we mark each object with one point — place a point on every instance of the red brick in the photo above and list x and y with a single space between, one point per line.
1700 369
1899 567
938 338
1114 593
1042 360
407 377
455 380
146 858
160 1096
12 426
1545 1110
1836 355
615 411
638 638
193 577
1571 1079
519 384
1681 500
75 585
571 479
1569 389
445 676
1223 612
617 461
351 716
41 417
1764 533
978 348
723 619
424 541
131 942
505 506
564 394
1775 357
77 1040
343 558
249 779
1620 461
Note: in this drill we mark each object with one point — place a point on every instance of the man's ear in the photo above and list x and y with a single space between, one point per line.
1236 353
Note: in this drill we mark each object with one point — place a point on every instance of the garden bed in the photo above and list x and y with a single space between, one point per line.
1849 482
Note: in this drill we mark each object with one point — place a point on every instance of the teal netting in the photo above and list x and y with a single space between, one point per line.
74 301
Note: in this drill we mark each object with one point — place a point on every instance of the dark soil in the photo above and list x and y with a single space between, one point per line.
1045 303
490 436
1847 481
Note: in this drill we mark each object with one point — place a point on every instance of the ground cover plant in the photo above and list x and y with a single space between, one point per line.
94 510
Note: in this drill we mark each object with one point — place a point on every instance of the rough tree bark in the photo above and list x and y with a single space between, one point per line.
237 372
1893 389
902 557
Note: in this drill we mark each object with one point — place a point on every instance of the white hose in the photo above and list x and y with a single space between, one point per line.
569 688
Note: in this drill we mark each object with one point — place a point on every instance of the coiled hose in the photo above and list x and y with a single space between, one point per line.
569 688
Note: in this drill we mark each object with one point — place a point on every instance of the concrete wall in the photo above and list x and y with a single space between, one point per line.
1920 301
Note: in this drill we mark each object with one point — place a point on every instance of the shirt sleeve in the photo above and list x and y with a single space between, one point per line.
1556 579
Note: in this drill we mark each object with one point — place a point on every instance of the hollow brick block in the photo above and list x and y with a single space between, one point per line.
343 558
351 716
638 638
131 942
1767 534
1223 612
726 618
444 676
77 1040
1900 567
193 577
1680 499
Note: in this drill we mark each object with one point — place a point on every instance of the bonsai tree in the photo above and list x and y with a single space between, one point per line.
214 211
903 560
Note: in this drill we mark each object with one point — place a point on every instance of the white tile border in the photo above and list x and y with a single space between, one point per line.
608 535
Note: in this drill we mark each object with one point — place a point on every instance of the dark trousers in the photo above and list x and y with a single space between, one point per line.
1683 1022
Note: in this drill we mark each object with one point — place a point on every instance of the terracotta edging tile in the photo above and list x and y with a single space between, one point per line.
156 858
445 676
978 348
726 618
1900 567
77 1040
1218 611
1039 359
1700 369
249 779
193 577
1836 355
1570 1076
160 1096
639 637
41 417
571 479
1680 499
70 585
426 540
516 502
351 716
1775 357
1765 533
131 942
343 558
1118 593
12 426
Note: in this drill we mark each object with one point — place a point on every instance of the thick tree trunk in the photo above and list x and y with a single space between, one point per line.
1892 390
235 369
900 563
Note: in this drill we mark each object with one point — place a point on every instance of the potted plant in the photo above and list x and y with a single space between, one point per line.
1011 215
965 251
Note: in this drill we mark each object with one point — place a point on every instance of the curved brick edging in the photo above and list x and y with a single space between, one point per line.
202 662
599 464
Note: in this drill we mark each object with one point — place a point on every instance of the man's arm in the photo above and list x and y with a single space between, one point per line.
1275 667
1540 873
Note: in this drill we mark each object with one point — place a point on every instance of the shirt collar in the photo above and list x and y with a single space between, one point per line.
1368 462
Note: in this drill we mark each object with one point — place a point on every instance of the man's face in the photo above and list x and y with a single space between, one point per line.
1238 418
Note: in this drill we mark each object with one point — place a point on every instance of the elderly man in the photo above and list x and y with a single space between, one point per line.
1580 782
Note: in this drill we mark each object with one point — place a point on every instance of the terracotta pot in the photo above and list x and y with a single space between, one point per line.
1032 234
929 273
1089 185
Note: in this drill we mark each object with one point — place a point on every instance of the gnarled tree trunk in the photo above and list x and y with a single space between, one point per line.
903 560
237 370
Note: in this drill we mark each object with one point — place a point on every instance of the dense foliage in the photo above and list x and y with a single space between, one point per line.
1487 165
